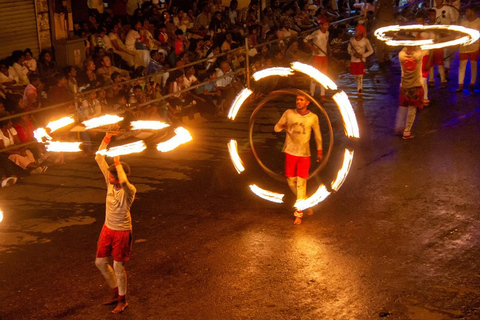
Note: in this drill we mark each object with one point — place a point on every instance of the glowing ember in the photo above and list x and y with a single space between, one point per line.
471 35
148 125
134 147
237 103
235 157
267 195
276 71
315 74
181 136
343 172
41 135
60 123
321 194
348 116
58 146
101 121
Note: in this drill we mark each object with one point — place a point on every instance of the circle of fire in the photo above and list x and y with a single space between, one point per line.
349 122
469 36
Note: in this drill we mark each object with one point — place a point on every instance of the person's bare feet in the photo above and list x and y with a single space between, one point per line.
121 306
297 220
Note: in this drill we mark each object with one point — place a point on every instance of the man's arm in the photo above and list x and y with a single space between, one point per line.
127 187
282 123
100 159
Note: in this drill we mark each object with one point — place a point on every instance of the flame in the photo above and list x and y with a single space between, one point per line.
238 102
275 71
343 172
58 146
235 157
102 121
41 135
60 123
148 125
181 136
129 148
267 195
348 116
471 36
315 74
321 194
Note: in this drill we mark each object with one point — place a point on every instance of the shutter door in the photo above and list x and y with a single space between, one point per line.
18 27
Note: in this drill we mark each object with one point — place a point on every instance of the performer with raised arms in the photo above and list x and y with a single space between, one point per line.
116 236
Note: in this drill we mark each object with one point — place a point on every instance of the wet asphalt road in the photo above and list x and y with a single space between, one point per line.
400 240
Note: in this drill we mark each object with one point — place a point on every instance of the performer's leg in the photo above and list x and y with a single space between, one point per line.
425 89
122 286
400 119
473 69
431 75
107 272
441 71
412 111
303 167
292 184
461 72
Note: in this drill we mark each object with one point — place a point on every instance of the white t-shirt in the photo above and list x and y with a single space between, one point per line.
320 40
475 24
131 38
445 15
12 76
362 47
188 81
297 141
411 64
8 141
224 81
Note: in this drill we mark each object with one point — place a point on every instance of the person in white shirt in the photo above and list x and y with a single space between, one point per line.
134 43
469 52
445 15
318 43
359 49
116 236
298 124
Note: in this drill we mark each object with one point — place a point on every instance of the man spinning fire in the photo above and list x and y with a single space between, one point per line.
298 124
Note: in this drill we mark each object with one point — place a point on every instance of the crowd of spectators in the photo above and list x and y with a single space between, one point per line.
134 59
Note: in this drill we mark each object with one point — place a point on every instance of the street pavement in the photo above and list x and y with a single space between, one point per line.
399 240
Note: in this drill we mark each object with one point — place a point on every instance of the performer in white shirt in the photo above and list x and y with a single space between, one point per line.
318 43
116 236
469 52
298 124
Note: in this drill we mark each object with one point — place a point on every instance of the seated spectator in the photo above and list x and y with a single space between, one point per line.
46 66
71 75
228 44
119 47
88 78
212 61
134 43
211 95
106 71
30 62
18 58
22 157
31 95
226 85
8 76
91 107
59 91
24 127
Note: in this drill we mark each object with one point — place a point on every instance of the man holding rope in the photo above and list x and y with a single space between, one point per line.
116 235
298 124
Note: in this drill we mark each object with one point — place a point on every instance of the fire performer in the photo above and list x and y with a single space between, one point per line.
116 235
298 123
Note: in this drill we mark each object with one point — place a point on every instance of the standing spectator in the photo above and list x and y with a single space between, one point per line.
359 49
469 52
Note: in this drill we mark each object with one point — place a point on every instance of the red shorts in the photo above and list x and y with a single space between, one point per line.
438 53
320 63
296 166
411 97
114 243
473 56
424 62
357 68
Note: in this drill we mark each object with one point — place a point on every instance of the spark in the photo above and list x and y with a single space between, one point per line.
343 172
181 136
134 147
348 115
267 195
235 157
102 121
237 103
